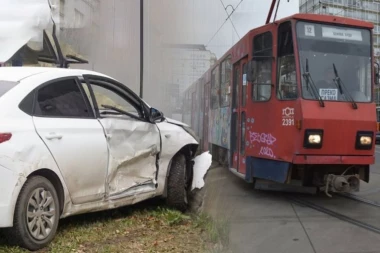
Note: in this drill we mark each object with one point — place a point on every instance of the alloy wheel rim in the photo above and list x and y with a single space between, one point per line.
40 214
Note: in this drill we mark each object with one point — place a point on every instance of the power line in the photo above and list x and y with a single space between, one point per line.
228 16
223 23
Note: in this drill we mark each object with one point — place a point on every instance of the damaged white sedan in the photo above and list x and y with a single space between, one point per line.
76 141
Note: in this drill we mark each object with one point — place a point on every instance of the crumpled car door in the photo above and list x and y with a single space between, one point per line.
133 147
133 142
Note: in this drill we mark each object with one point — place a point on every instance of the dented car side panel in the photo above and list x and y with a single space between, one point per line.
174 138
133 147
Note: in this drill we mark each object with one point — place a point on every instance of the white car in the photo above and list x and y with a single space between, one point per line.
75 141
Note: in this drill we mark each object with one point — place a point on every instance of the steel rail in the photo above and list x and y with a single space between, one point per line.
359 199
335 214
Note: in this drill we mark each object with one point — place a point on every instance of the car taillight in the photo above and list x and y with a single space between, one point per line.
5 137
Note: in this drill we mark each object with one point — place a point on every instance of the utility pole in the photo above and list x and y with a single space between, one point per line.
141 47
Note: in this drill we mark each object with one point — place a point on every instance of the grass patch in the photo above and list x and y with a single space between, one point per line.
145 227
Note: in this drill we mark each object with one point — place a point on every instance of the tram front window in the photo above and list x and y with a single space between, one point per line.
329 51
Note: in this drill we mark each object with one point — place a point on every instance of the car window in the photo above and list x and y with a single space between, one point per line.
109 97
62 99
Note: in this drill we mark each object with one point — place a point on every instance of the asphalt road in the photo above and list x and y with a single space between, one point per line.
376 166
265 222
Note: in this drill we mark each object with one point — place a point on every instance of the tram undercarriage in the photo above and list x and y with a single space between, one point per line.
306 178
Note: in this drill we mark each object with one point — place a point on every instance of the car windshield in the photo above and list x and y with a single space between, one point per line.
5 86
329 51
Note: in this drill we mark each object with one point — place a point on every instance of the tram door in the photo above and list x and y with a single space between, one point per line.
205 116
238 119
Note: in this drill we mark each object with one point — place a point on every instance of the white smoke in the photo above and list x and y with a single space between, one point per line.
22 21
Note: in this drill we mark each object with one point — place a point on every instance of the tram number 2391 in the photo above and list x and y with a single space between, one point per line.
288 122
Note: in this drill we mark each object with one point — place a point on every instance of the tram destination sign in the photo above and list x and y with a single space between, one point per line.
346 34
332 33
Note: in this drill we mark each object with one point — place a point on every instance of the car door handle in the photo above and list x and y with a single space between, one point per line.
52 136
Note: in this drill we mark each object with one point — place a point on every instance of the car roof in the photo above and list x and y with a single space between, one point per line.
16 74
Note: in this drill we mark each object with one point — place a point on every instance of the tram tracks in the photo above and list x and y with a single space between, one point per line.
339 215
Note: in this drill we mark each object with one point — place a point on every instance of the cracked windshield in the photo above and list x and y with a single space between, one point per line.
190 126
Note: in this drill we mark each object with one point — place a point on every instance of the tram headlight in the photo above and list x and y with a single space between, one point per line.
364 140
313 138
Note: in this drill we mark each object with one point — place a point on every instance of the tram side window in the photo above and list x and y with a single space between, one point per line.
244 88
286 65
215 88
225 76
262 55
235 96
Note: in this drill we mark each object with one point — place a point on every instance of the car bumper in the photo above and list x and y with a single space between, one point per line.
10 186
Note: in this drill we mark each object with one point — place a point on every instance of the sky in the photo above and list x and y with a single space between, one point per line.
196 21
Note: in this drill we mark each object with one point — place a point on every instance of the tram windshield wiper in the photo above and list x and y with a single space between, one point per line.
340 85
309 82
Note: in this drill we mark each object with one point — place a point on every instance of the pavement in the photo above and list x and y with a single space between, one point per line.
265 222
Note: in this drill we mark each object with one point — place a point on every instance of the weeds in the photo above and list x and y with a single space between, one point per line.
217 232
146 227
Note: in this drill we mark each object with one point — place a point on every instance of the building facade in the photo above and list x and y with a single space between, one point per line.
367 10
186 63
78 23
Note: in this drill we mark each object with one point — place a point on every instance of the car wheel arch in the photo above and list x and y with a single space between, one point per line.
56 182
190 151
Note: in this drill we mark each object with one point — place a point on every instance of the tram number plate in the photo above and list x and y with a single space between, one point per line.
288 122
329 94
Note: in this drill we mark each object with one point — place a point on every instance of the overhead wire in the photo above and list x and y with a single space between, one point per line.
223 23
228 17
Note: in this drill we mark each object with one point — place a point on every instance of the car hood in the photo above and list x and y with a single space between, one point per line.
175 122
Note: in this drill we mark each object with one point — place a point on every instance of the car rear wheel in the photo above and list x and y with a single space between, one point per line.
36 215
179 183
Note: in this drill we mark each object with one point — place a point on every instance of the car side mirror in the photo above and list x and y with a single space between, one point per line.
156 115
377 75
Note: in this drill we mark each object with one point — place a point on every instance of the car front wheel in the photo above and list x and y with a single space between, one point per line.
36 215
179 183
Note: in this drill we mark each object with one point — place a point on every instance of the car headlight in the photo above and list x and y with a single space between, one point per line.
191 132
364 140
313 138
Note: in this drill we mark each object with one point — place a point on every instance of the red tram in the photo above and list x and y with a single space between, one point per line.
291 104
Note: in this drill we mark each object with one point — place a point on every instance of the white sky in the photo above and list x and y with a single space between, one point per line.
196 21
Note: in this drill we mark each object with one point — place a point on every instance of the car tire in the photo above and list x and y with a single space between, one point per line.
38 199
177 190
